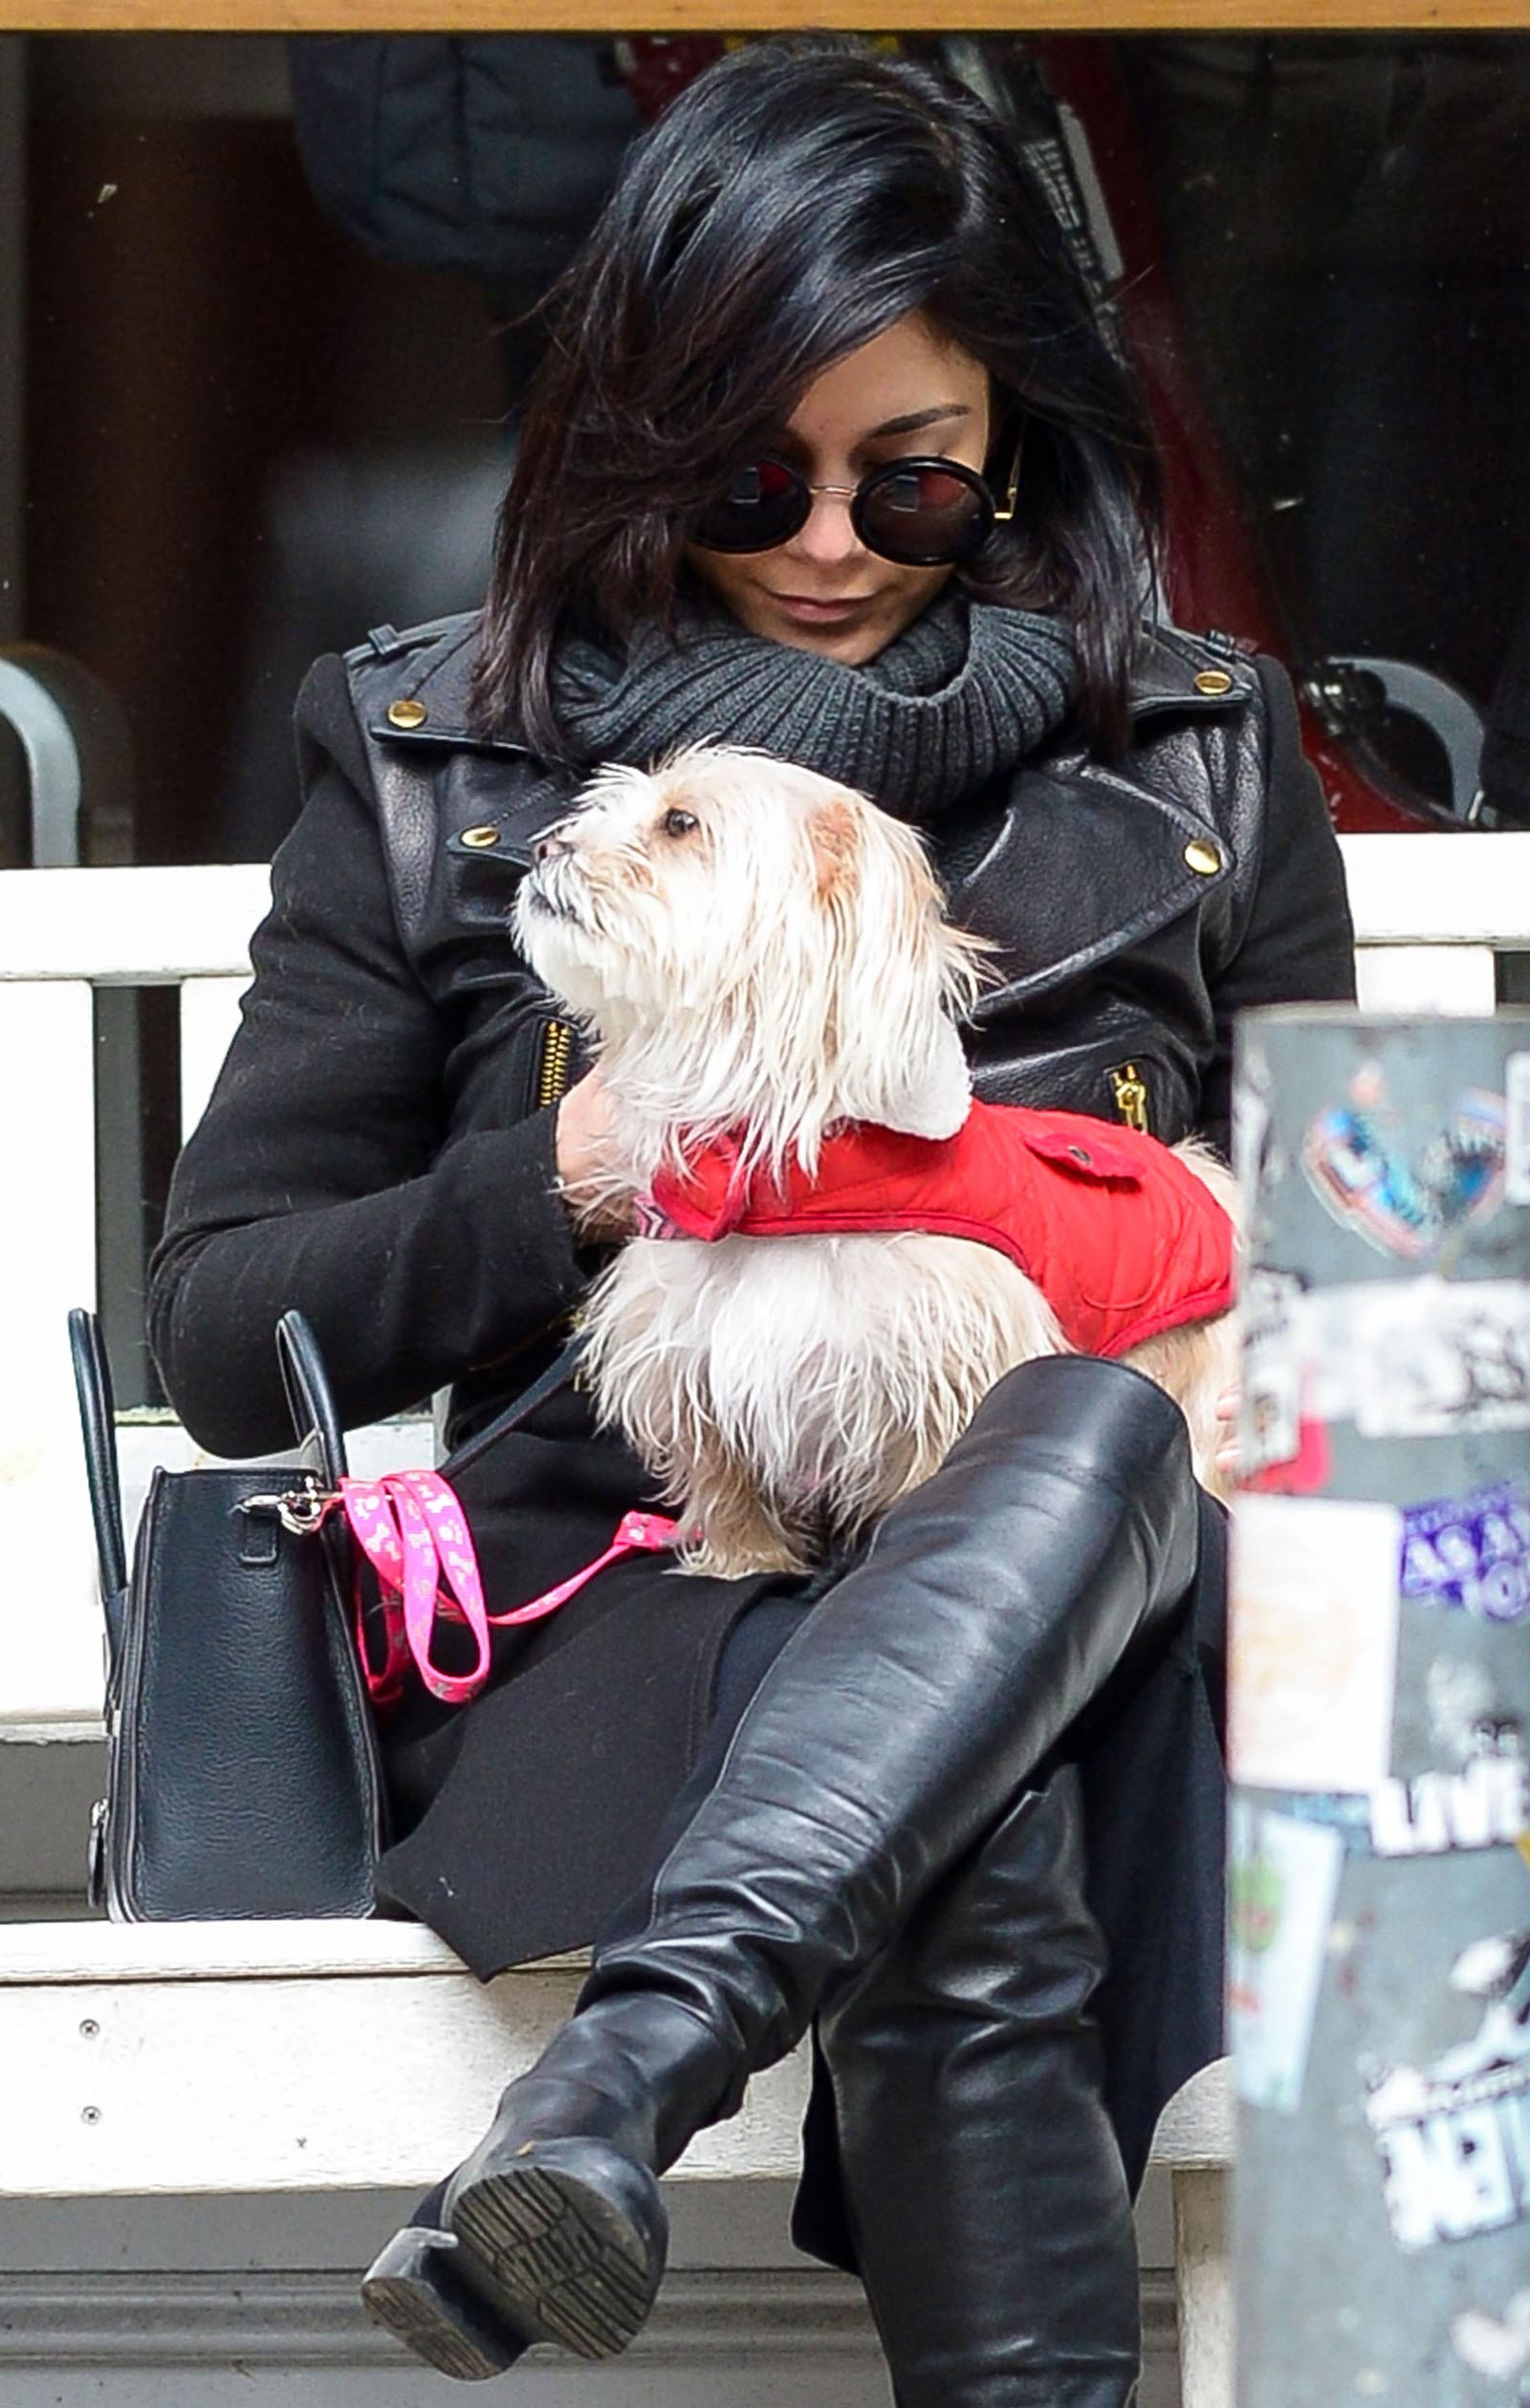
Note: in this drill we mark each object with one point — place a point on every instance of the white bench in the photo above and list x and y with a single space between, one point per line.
100 2027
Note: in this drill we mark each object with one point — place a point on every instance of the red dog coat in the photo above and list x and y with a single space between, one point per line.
1121 1238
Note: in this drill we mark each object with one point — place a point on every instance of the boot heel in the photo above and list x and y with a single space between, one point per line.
414 2288
569 2236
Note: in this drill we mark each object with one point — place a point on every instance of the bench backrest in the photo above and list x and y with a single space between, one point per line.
1431 910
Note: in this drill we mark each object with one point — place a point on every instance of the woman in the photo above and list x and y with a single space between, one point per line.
823 265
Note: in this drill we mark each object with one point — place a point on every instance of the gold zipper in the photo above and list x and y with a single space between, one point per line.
552 1074
1131 1091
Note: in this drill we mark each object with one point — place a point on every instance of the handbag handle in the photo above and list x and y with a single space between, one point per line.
315 1417
97 1423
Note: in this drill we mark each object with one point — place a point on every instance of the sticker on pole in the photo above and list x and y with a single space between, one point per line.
1271 1431
1283 1882
1314 1641
1485 1804
1453 2134
1497 2347
1435 1356
1405 1203
1471 1554
1516 1136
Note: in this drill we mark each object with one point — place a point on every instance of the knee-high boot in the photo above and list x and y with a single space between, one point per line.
984 2187
918 1698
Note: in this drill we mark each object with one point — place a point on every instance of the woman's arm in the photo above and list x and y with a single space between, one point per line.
1296 940
320 1176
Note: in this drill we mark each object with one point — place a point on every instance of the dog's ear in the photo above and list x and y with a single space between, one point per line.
939 1092
834 833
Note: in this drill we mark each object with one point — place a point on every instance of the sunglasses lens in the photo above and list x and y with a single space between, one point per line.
764 506
924 515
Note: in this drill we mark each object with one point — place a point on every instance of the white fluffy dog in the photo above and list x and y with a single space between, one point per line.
762 954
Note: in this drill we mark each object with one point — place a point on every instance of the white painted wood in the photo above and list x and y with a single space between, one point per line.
209 1015
130 928
1204 2283
363 2082
1196 2129
271 1951
1419 979
1444 886
50 1651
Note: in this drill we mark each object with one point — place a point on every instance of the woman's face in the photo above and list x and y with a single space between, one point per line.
904 393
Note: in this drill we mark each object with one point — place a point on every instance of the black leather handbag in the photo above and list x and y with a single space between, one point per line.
242 1773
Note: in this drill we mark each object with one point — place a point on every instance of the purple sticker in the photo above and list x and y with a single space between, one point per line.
1471 1554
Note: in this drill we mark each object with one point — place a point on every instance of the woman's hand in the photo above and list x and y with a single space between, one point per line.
585 1170
1227 1411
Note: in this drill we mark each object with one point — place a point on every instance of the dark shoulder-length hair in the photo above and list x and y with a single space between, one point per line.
801 197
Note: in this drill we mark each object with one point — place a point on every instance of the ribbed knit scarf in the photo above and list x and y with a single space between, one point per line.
964 693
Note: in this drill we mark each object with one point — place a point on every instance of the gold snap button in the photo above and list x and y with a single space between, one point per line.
1212 681
1203 859
480 839
407 713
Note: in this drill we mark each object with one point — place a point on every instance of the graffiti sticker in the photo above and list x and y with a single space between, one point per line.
1271 1430
1406 1205
1517 1136
1471 1554
1283 1880
1453 2135
1497 2347
1438 1355
1485 1804
1314 1641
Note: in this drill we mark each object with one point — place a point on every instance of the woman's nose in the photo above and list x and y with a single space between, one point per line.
827 534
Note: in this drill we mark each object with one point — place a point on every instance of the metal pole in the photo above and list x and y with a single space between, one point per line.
1380 1883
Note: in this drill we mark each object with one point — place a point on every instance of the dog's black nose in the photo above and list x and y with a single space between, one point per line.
552 842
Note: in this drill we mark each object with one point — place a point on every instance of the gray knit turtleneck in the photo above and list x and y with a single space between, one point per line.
965 693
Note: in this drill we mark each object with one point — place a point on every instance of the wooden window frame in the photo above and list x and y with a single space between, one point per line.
654 17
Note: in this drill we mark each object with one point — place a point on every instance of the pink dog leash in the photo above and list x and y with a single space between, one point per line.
412 1530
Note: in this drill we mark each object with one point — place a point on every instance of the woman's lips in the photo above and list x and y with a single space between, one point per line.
821 614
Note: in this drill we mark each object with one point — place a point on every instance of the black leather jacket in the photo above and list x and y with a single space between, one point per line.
379 1146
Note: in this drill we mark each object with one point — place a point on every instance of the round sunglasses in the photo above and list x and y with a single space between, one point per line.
923 514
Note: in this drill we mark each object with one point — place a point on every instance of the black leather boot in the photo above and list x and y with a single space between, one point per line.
917 1699
983 2185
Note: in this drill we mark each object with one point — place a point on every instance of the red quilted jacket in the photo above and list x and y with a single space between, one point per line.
1121 1239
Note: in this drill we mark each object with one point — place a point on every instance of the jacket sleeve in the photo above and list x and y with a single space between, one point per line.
321 1174
1293 941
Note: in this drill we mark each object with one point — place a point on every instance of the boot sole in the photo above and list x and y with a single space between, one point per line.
569 2244
415 2291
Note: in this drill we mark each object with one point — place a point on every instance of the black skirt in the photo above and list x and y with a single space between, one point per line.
527 1818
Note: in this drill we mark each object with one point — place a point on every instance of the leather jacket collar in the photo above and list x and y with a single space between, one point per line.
419 699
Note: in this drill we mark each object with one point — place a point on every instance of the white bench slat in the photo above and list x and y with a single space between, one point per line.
50 1629
255 2057
1425 977
130 928
1441 887
232 2084
274 1950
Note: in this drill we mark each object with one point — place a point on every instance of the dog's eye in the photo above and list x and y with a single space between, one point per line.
679 824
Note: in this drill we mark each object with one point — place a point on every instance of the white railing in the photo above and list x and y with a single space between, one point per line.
1431 910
